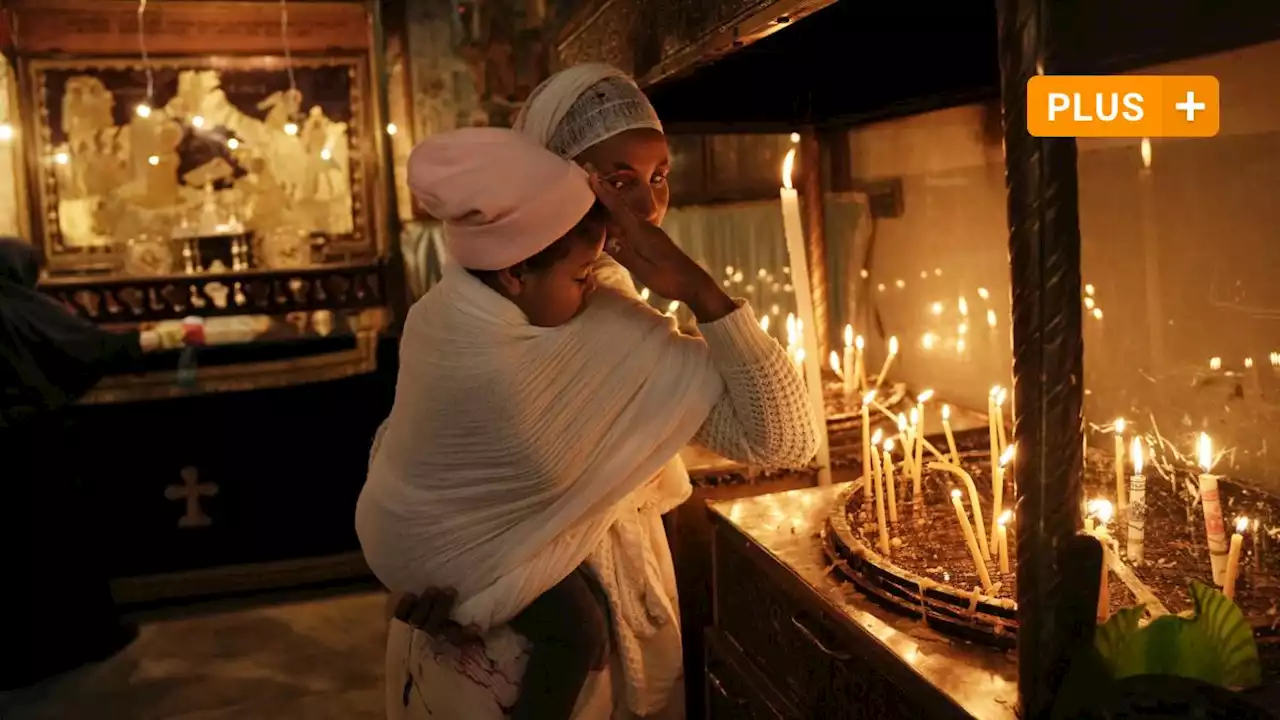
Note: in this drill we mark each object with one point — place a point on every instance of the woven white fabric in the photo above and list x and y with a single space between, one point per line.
582 106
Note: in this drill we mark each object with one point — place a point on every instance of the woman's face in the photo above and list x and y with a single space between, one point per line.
636 162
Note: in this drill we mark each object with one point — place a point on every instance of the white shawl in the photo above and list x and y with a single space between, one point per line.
512 450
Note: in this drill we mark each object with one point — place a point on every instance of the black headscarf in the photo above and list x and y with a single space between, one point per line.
49 357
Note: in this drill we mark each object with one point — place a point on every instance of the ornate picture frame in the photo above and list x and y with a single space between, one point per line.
128 158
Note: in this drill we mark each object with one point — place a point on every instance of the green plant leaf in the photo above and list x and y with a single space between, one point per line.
1115 640
1216 645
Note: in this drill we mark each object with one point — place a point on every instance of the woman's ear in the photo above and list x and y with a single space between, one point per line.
512 280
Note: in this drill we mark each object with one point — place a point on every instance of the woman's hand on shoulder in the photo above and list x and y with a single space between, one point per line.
430 612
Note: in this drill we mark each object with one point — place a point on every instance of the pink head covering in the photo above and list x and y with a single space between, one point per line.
503 199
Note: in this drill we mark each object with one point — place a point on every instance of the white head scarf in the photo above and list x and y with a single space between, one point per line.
584 105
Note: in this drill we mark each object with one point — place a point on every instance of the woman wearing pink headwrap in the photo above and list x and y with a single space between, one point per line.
760 416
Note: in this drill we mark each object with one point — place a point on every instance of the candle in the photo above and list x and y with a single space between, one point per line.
806 326
1002 549
997 490
1211 501
991 423
879 483
848 369
918 462
889 480
860 364
764 322
951 439
884 369
791 333
978 561
913 435
866 444
1000 398
967 479
904 434
1121 500
1102 510
1233 558
1135 545
834 360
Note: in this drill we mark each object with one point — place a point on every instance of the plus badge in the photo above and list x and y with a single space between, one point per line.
192 490
1190 106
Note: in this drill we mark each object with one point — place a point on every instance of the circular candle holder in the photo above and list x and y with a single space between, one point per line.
930 574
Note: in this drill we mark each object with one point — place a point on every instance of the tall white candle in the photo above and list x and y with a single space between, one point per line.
918 462
1000 398
848 371
890 490
997 489
1002 551
973 501
859 361
866 445
1136 516
804 303
1121 501
1233 558
991 425
888 360
1211 501
1102 510
951 439
879 483
979 562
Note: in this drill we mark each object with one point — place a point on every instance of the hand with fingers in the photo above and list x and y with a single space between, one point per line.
657 262
430 611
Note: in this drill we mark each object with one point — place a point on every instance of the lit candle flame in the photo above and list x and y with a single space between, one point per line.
1119 426
848 336
875 437
893 345
788 164
1248 363
924 397
982 293
644 294
835 364
800 356
1135 452
673 306
946 412
963 306
1005 518
955 494
1215 363
915 417
1097 313
1242 524
869 398
1101 510
1007 455
888 445
764 323
962 328
1001 396
936 308
991 318
859 343
143 110
1088 289
1205 449
1088 303
928 340
1146 153
902 422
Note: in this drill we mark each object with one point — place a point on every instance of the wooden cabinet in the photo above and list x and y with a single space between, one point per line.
790 643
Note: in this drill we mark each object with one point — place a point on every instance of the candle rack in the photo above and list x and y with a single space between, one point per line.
929 574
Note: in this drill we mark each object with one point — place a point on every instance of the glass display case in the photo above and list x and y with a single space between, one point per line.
225 160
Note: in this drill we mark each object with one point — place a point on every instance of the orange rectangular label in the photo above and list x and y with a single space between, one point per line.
1121 106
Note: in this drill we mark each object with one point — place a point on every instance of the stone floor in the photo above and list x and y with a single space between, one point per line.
311 657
